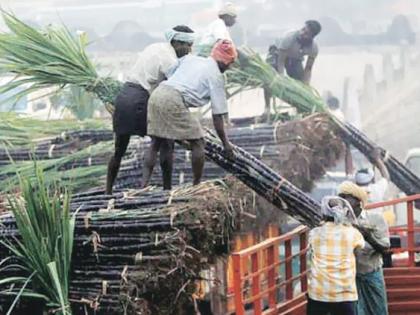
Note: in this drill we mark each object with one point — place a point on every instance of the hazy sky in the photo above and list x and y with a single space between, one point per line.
103 15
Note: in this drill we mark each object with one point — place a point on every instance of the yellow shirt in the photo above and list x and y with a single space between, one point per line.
332 277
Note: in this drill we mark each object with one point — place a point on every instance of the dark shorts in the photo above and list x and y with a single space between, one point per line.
330 308
130 117
294 68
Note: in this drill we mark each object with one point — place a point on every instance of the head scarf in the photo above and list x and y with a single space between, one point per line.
364 177
171 35
228 9
339 209
349 188
224 51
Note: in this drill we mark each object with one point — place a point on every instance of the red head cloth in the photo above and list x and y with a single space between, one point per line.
224 51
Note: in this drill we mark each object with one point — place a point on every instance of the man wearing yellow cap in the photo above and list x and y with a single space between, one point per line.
369 277
217 30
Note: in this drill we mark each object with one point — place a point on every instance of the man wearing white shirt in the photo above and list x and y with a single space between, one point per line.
376 189
151 68
217 30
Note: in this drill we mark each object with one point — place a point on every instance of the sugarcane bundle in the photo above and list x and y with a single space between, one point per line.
52 57
20 130
54 147
78 170
147 245
273 187
400 175
256 73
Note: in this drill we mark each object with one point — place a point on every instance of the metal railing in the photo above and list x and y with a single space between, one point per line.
257 284
410 229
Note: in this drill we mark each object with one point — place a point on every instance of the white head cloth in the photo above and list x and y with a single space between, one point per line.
363 178
179 36
228 9
339 209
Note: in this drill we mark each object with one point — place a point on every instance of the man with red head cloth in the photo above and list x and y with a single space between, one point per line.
193 83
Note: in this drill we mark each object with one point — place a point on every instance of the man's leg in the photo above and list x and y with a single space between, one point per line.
121 144
150 158
344 308
294 69
197 159
316 307
267 99
166 162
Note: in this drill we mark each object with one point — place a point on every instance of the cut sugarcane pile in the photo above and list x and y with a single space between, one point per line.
146 248
301 150
121 251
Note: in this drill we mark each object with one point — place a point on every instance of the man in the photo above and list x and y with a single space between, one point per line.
334 107
293 49
195 82
217 30
366 178
332 286
151 68
290 54
369 278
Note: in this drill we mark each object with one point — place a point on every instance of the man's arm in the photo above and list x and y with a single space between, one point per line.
281 61
219 126
381 232
308 70
220 109
380 164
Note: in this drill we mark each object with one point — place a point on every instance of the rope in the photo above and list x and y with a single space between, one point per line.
86 219
276 125
124 274
387 156
262 149
50 151
104 287
139 257
277 188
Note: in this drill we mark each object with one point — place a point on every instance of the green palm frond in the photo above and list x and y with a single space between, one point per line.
44 250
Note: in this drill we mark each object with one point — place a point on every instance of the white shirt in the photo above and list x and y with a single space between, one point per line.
199 80
153 65
215 30
376 193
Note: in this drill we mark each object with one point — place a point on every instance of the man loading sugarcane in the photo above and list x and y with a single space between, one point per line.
366 178
151 68
195 81
290 53
217 30
369 277
331 282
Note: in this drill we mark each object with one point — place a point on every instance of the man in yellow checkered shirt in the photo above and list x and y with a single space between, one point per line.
332 278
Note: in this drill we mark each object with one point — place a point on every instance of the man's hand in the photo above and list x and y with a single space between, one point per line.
376 154
229 150
379 163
